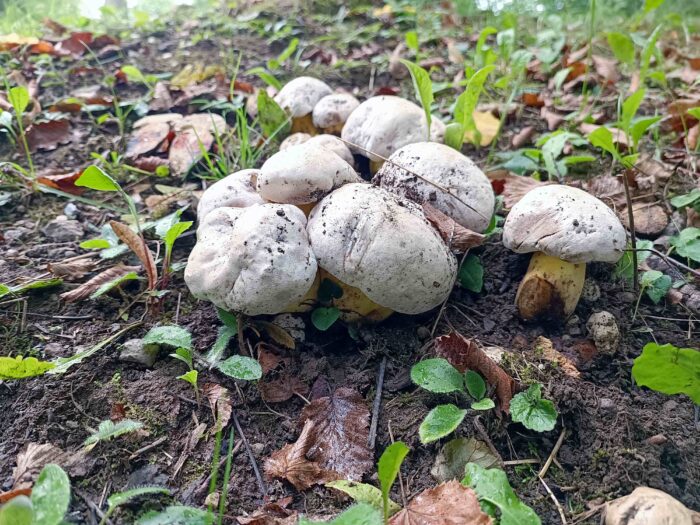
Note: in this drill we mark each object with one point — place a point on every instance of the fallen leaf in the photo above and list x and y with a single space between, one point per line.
76 44
71 270
651 175
534 100
42 48
449 503
219 402
162 100
89 287
56 28
523 137
269 358
606 69
64 182
35 456
273 513
138 246
692 138
145 139
546 347
278 334
487 125
457 237
150 164
192 440
169 118
453 53
396 68
290 463
282 389
47 135
7 496
552 118
456 453
514 187
465 355
195 136
649 219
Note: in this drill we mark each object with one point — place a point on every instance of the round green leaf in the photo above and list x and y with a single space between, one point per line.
241 367
483 404
440 421
17 511
323 318
471 274
532 411
170 336
476 386
50 496
437 375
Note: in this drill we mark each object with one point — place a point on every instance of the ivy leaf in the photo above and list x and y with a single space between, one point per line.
669 370
363 493
471 274
20 368
388 468
687 243
491 486
476 386
532 411
655 284
50 496
323 318
424 89
170 336
437 375
440 421
241 367
95 178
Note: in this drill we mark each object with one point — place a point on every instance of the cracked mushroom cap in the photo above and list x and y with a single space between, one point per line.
254 260
368 238
472 201
303 174
567 223
647 506
332 111
384 124
234 191
299 96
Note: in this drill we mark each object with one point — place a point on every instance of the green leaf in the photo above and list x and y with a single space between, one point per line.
133 73
424 89
184 355
440 421
241 367
480 48
172 336
360 514
219 347
17 511
106 287
388 468
50 496
177 515
687 243
456 453
271 117
437 375
681 201
120 498
694 112
630 107
471 274
655 284
329 290
622 46
30 285
454 135
412 40
491 486
19 98
650 5
284 55
363 493
625 267
467 101
476 386
532 411
95 178
602 138
20 368
483 404
640 126
108 430
174 232
190 377
265 76
647 52
95 244
228 319
669 370
323 318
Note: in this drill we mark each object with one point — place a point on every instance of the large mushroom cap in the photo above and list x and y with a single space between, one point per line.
566 223
384 124
331 112
254 260
368 238
647 506
303 174
234 191
299 96
470 201
334 144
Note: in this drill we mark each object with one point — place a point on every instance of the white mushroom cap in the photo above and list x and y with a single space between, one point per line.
299 96
567 223
384 124
234 191
368 238
303 174
334 144
647 506
254 260
294 140
333 110
473 201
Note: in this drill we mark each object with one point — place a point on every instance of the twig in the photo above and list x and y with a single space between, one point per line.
551 457
633 234
531 461
177 308
261 483
669 260
554 500
148 447
377 404
91 505
485 437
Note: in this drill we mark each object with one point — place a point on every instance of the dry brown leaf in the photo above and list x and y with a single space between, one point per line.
513 187
692 138
449 503
453 53
650 174
76 44
187 148
64 182
219 402
137 244
609 189
290 462
278 334
89 287
269 357
274 513
71 270
169 118
534 100
523 137
649 219
150 164
35 456
7 496
145 139
552 118
465 355
282 389
456 236
48 135
162 100
606 69
546 347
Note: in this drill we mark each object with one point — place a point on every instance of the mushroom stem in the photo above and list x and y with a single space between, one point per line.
550 289
375 165
304 124
354 305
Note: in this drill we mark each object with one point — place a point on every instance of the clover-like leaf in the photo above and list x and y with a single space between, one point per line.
534 412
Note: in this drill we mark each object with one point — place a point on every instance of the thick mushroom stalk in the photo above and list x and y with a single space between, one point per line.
566 228
354 305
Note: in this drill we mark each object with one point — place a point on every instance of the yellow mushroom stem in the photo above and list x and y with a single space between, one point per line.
550 289
308 301
334 130
306 208
354 305
375 165
304 124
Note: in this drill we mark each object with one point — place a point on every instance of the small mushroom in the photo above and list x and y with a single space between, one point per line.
380 249
330 142
647 506
303 174
381 125
234 191
565 227
254 260
298 97
331 112
470 200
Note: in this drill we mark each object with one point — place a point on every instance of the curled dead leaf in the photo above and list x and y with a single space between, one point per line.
63 181
282 389
523 137
71 270
47 135
146 138
273 513
514 187
34 456
219 402
89 287
649 219
138 246
456 236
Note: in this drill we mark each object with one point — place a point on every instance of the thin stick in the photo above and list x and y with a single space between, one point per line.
667 259
633 234
261 483
148 447
377 404
485 437
551 457
531 461
555 501
177 308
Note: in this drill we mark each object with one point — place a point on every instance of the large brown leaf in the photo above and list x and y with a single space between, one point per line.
450 503
48 135
341 433
465 355
89 287
456 236
137 244
282 388
145 139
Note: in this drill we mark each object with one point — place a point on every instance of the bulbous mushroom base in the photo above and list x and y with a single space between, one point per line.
304 124
550 289
354 305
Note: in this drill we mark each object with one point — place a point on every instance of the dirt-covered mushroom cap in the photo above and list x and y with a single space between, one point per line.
372 240
299 96
470 201
647 506
294 140
334 144
303 174
254 260
234 191
567 223
331 112
384 124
